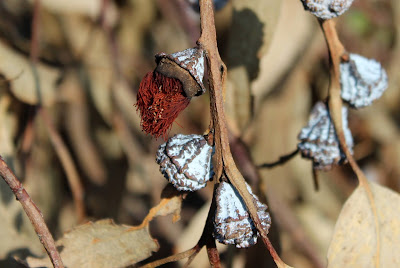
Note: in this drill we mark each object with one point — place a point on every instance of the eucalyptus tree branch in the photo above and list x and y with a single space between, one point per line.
337 53
33 212
223 160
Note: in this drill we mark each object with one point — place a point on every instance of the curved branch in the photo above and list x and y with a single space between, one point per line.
336 53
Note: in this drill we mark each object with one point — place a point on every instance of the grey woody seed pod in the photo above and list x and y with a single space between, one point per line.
363 81
185 161
232 222
187 66
318 140
326 9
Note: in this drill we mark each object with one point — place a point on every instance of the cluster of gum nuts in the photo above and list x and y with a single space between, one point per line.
186 160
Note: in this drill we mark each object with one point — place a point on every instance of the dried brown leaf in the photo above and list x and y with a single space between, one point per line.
19 71
355 241
170 204
102 244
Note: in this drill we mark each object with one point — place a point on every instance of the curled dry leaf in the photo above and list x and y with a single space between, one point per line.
102 244
19 71
355 240
170 205
363 80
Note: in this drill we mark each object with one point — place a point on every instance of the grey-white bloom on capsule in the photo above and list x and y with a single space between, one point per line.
185 161
363 80
192 61
327 9
232 222
318 140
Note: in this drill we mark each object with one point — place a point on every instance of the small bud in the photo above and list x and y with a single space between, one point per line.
167 91
185 161
232 222
363 80
326 9
318 140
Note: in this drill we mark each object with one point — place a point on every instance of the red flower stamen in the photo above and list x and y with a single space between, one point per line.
160 99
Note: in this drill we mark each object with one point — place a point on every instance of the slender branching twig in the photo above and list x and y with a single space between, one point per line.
282 160
33 212
223 157
213 254
173 258
337 52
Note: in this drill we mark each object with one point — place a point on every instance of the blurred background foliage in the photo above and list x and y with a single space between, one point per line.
92 56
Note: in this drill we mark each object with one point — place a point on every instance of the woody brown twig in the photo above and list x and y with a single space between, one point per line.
213 255
223 161
337 52
33 212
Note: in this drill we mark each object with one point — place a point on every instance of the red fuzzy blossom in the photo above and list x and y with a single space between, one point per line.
160 99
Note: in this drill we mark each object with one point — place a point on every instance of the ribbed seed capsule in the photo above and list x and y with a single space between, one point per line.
232 222
179 64
167 91
327 9
318 140
363 80
185 161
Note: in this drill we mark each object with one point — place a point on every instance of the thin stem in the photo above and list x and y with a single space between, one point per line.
67 162
173 258
282 160
33 212
223 157
315 178
213 254
191 258
337 53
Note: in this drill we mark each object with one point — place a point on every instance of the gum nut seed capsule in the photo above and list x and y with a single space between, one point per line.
167 91
318 140
326 9
185 161
232 222
180 64
363 80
